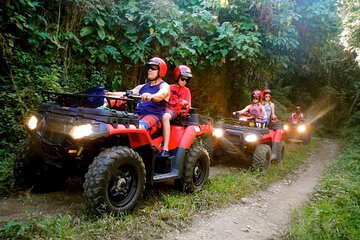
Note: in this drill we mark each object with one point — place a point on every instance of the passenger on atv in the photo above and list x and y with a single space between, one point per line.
254 111
179 103
269 107
154 95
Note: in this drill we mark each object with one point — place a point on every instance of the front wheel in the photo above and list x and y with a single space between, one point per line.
281 154
306 139
30 170
196 170
261 157
115 181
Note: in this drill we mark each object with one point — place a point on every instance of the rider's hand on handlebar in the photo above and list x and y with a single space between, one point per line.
146 96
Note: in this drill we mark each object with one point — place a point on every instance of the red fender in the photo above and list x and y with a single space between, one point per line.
137 136
189 136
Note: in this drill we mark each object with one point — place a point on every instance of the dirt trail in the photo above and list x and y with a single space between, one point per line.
257 217
263 215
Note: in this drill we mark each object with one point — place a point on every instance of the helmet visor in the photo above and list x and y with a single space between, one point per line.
185 74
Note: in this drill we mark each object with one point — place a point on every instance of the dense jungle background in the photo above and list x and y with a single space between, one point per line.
306 51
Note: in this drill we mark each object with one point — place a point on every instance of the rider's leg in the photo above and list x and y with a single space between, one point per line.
166 129
150 122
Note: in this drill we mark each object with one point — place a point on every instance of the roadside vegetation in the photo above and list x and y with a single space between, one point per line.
334 211
232 47
162 209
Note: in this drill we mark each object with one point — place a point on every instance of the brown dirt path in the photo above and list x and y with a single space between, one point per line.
264 215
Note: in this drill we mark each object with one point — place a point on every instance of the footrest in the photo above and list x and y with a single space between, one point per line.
166 176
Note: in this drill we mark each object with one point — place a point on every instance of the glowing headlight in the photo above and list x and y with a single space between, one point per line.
251 138
286 127
301 128
243 119
218 132
81 131
32 123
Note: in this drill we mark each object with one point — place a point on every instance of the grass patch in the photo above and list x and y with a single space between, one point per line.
334 211
162 208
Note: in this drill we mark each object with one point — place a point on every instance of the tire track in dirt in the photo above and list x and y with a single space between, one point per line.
264 215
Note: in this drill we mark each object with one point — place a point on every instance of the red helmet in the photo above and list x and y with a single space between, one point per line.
158 62
182 71
265 91
256 93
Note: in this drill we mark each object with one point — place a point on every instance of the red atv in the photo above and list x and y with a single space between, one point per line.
73 134
297 129
250 140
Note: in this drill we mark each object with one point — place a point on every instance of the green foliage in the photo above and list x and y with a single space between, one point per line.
236 46
334 211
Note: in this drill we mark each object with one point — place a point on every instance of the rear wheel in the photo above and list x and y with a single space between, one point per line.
115 180
261 158
196 170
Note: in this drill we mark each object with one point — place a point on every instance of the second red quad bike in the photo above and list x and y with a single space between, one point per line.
251 141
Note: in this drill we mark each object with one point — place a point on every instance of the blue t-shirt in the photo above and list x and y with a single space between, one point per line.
151 107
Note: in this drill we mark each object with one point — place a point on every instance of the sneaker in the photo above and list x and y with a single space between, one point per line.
164 153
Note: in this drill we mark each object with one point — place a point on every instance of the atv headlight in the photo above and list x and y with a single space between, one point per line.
32 123
301 128
251 138
81 131
218 132
243 119
286 127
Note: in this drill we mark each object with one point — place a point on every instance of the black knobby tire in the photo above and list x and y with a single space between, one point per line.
30 170
27 165
261 158
208 144
196 170
231 150
306 139
115 180
281 154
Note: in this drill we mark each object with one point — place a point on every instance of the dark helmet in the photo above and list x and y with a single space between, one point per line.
256 94
182 71
158 62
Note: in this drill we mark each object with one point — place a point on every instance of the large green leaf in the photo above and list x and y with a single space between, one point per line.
101 33
86 31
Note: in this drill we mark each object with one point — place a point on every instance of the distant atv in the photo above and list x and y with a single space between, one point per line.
297 129
250 141
73 134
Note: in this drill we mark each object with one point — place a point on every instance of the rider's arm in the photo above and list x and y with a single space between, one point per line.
135 90
115 94
187 97
273 115
244 110
162 94
263 112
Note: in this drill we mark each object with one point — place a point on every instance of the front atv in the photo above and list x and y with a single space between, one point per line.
74 134
253 144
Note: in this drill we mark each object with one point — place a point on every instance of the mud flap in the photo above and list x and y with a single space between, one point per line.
275 150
